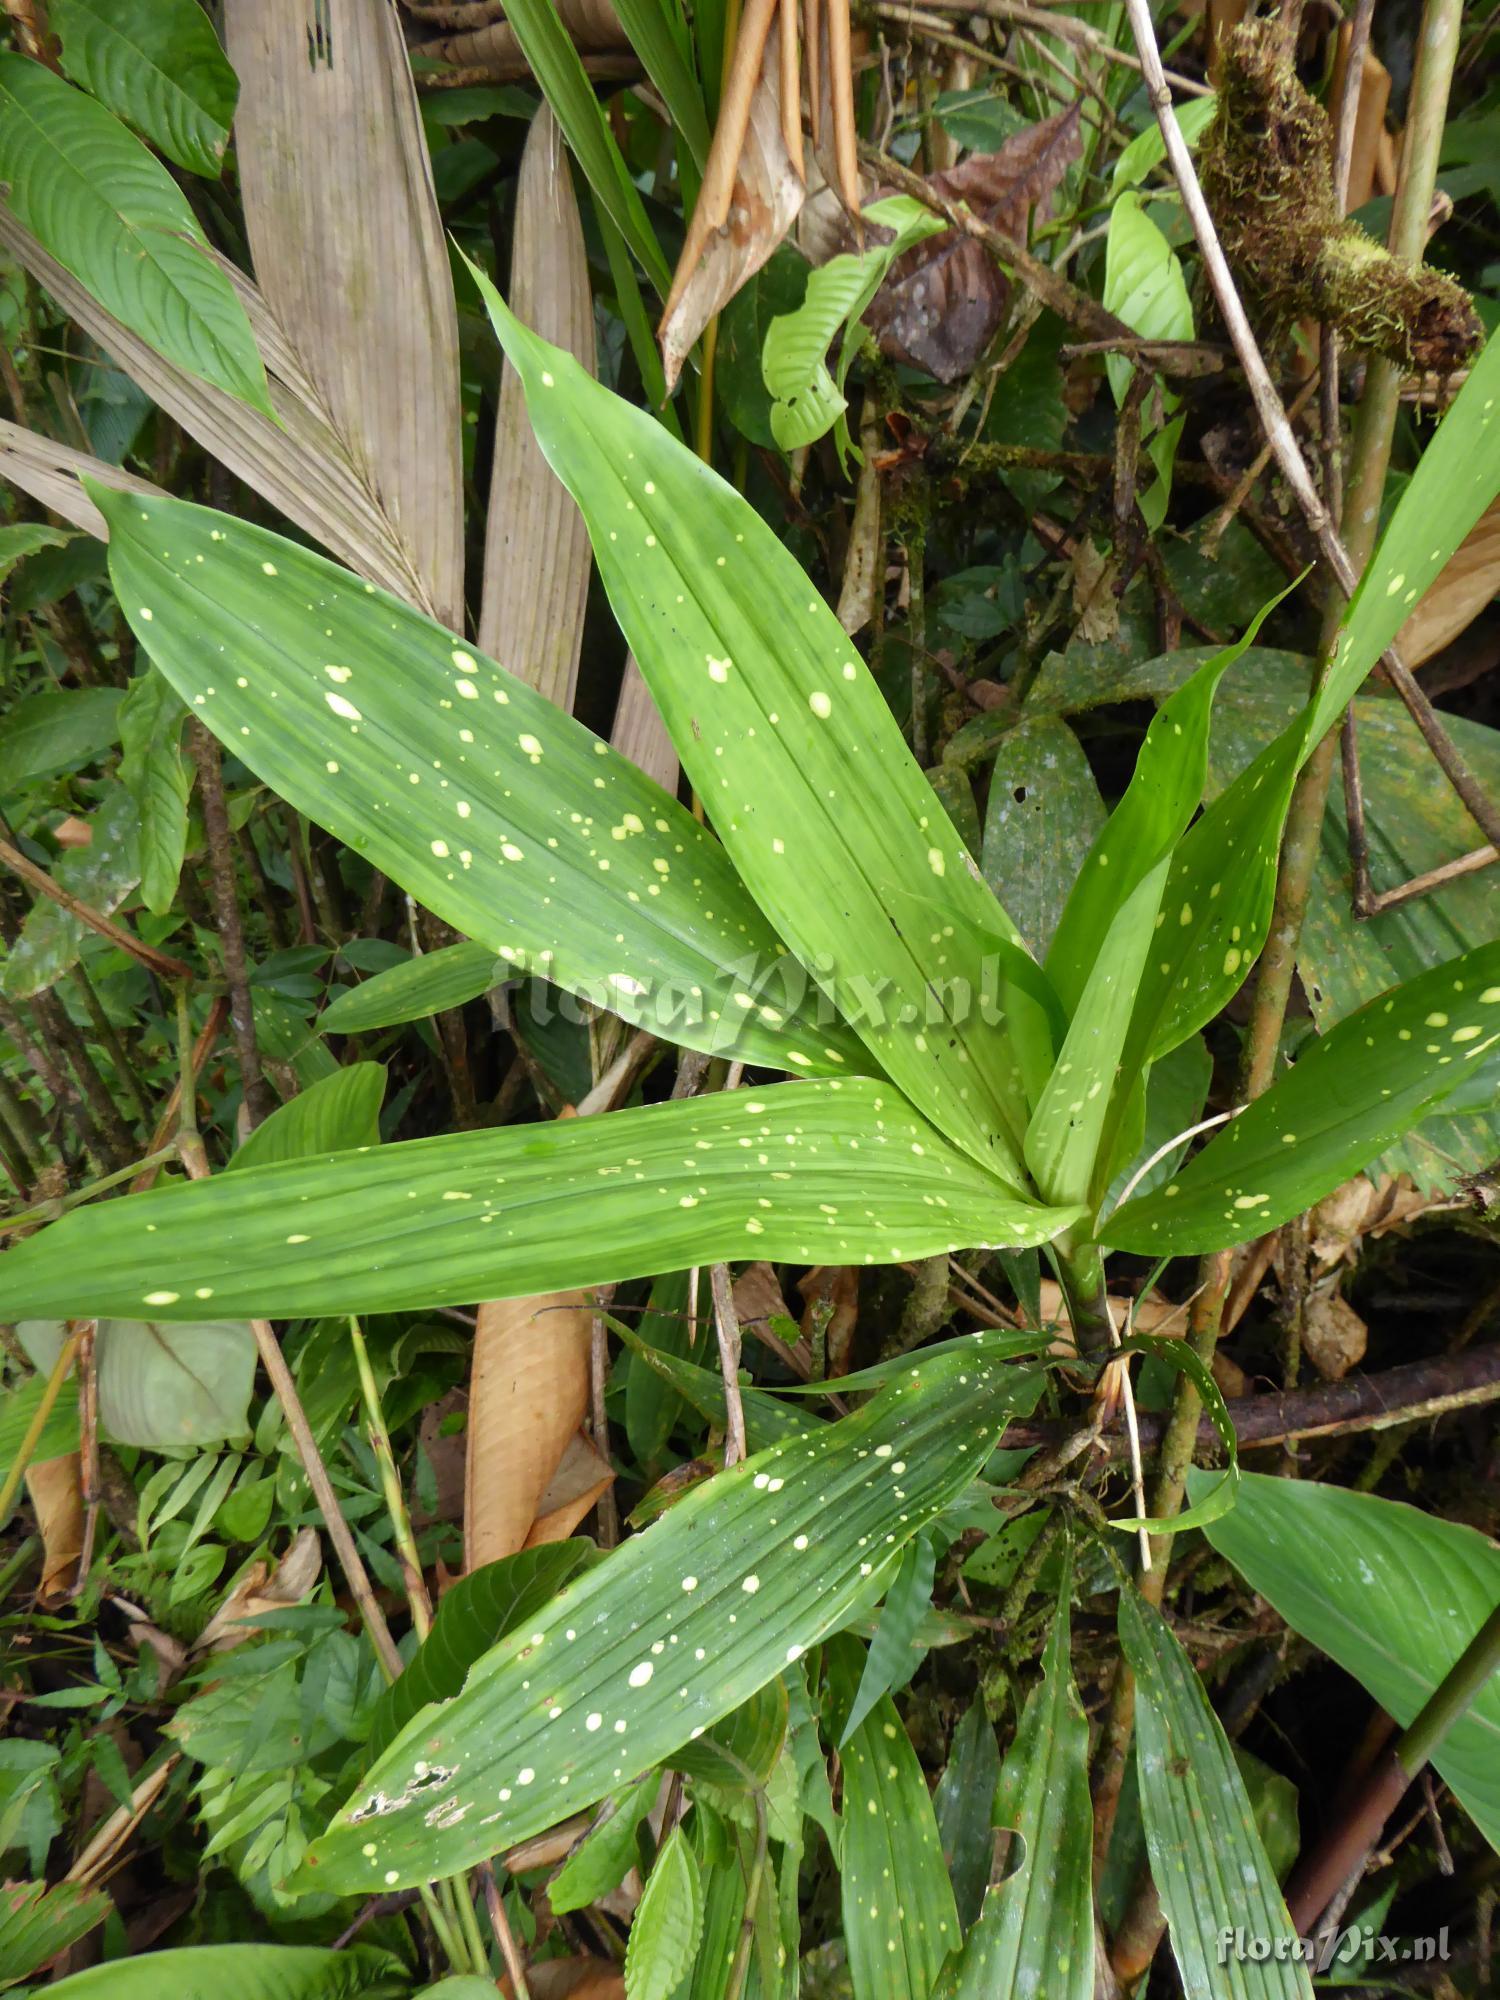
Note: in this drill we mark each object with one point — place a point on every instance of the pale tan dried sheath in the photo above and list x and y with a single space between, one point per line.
536 548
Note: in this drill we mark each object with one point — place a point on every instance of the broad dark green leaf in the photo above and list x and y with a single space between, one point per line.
36 1923
963 1800
893 1657
422 986
56 729
559 71
1392 1594
501 814
157 776
610 1851
475 1614
1207 1857
668 1923
900 1920
795 754
20 539
1035 1934
1043 817
244 1972
94 197
1347 1096
809 1173
338 1114
158 65
671 1632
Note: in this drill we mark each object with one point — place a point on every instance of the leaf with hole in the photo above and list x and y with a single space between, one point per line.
670 1633
94 197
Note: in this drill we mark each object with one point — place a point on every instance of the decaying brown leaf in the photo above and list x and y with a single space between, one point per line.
351 258
55 1486
1334 1337
1360 1208
571 1979
944 301
830 1301
1467 583
291 1582
528 1394
1369 118
583 1476
536 548
752 191
50 472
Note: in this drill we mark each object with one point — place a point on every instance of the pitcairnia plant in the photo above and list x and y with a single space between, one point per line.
947 1089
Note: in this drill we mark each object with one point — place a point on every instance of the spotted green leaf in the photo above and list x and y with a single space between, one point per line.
474 1613
669 1633
95 198
900 1919
498 812
422 986
158 65
668 1923
822 1172
1036 1931
1207 1858
1357 1088
799 762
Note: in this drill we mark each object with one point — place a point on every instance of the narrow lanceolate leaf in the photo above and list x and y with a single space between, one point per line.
1207 1858
893 1656
807 1173
900 1920
409 992
791 747
109 212
669 1634
1456 478
156 774
36 1923
334 1115
668 1923
1035 1934
508 819
245 1972
158 65
536 548
1347 1097
1392 1594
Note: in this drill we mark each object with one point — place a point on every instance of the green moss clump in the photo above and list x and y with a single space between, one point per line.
1267 172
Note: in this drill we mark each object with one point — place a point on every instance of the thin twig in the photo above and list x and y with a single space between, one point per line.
144 954
727 1326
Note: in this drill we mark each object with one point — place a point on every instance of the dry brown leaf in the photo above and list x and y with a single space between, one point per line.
445 1453
758 1296
536 548
1095 605
1153 1314
571 1979
171 1654
1369 119
864 560
592 24
528 1392
55 1487
639 732
49 473
73 832
944 301
291 1582
350 254
1360 1208
583 1476
1334 1337
766 195
547 1849
1466 584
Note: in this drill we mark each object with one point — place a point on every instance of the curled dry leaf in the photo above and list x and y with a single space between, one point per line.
745 208
55 1486
1361 1208
1334 1337
528 1393
944 301
171 1654
1465 587
291 1582
582 1478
